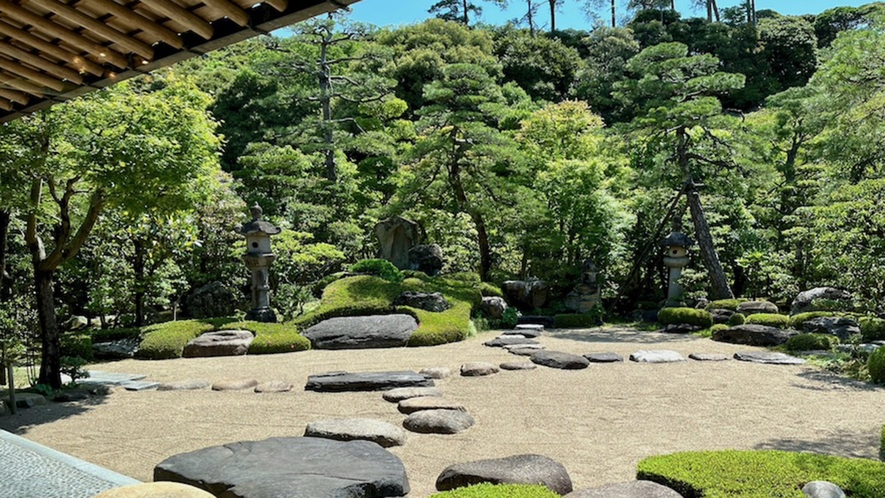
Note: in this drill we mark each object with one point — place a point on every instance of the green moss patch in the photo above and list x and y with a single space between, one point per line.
769 319
691 316
726 304
811 342
736 319
498 491
761 474
797 321
167 340
271 338
876 366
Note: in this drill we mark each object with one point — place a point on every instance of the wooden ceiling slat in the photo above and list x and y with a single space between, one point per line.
19 84
31 75
40 63
280 5
13 96
229 10
97 27
77 61
6 105
12 10
184 17
162 33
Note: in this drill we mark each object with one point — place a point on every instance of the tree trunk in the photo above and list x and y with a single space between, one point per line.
614 12
721 289
715 10
709 10
530 16
140 285
552 15
326 101
465 18
464 204
5 219
50 366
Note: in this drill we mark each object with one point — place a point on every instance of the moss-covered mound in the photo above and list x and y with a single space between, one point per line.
498 491
797 321
726 304
769 319
811 342
691 316
167 340
761 474
368 295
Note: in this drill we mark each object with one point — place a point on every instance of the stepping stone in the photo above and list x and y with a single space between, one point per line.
537 327
413 405
768 357
135 385
751 334
436 372
632 489
184 385
524 349
708 357
438 421
656 356
362 332
368 381
290 466
401 393
509 340
355 429
531 331
478 369
274 386
112 378
69 395
155 490
221 343
234 384
557 359
517 469
518 365
603 357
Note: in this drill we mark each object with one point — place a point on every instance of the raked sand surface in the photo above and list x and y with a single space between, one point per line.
599 422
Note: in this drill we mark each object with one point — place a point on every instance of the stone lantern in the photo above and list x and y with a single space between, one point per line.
258 259
675 247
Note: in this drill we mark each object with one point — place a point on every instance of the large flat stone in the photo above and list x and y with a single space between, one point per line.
509 340
751 334
357 429
362 332
603 357
478 369
112 378
367 381
135 385
631 489
708 357
557 359
291 467
768 357
656 356
221 343
517 469
439 421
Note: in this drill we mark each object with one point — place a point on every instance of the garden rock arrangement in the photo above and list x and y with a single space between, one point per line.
234 384
362 332
509 340
369 381
843 328
184 385
301 466
355 429
632 489
517 469
822 489
518 365
273 386
221 343
708 357
754 335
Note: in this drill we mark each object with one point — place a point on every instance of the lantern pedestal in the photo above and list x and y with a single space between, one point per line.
258 259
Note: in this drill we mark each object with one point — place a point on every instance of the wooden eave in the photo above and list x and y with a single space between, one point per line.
55 50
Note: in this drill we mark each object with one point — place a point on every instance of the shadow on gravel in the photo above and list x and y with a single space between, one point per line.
618 334
828 381
856 445
25 418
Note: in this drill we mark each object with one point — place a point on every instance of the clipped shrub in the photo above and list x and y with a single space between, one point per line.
717 327
872 329
811 342
798 320
736 319
726 304
76 345
761 474
486 490
490 290
380 268
876 366
576 320
271 338
108 335
167 340
413 284
691 316
769 319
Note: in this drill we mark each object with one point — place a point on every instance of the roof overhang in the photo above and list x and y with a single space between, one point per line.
55 50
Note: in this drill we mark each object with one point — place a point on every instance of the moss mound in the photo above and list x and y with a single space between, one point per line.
876 366
726 304
769 319
811 342
498 491
761 474
736 319
167 340
797 321
691 316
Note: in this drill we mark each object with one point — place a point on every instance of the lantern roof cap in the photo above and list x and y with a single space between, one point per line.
258 226
676 239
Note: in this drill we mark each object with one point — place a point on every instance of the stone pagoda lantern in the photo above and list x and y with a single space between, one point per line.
676 246
258 259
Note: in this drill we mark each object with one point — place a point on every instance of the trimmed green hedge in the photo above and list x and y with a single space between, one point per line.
811 342
167 340
876 366
576 320
726 304
761 474
736 319
691 316
769 319
797 321
498 491
108 335
872 329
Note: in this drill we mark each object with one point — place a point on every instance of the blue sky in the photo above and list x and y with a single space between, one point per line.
396 12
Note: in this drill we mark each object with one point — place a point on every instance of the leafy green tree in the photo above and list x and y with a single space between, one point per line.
459 10
544 67
608 50
789 46
829 23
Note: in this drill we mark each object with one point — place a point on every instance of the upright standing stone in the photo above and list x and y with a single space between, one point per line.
397 237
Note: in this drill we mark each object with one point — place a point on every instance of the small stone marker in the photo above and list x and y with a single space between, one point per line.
438 421
708 357
478 369
436 372
562 361
353 429
401 393
656 356
768 357
184 385
368 381
631 489
509 340
603 357
517 469
273 386
137 385
518 365
234 384
221 343
413 405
